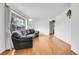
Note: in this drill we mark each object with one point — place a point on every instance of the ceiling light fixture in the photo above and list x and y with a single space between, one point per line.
30 19
50 19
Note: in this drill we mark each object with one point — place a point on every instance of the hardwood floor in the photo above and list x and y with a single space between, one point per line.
44 45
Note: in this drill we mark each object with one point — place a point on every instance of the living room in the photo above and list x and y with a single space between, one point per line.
37 35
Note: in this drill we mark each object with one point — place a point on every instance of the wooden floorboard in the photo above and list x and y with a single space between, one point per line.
44 45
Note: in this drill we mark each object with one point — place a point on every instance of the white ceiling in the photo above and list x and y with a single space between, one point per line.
41 11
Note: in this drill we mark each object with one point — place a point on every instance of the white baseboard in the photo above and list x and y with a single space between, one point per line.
63 39
74 50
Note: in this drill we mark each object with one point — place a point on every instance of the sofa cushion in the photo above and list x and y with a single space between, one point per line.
16 34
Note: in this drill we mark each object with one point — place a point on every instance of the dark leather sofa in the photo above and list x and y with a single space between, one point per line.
21 41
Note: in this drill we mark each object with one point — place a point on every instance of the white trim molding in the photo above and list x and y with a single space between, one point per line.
74 50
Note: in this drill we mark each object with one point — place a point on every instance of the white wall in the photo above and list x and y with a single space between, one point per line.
75 28
2 28
7 28
41 25
63 27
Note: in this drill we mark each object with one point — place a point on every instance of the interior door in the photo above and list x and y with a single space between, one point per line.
52 27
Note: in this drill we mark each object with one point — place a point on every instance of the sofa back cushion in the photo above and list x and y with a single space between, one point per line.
30 31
